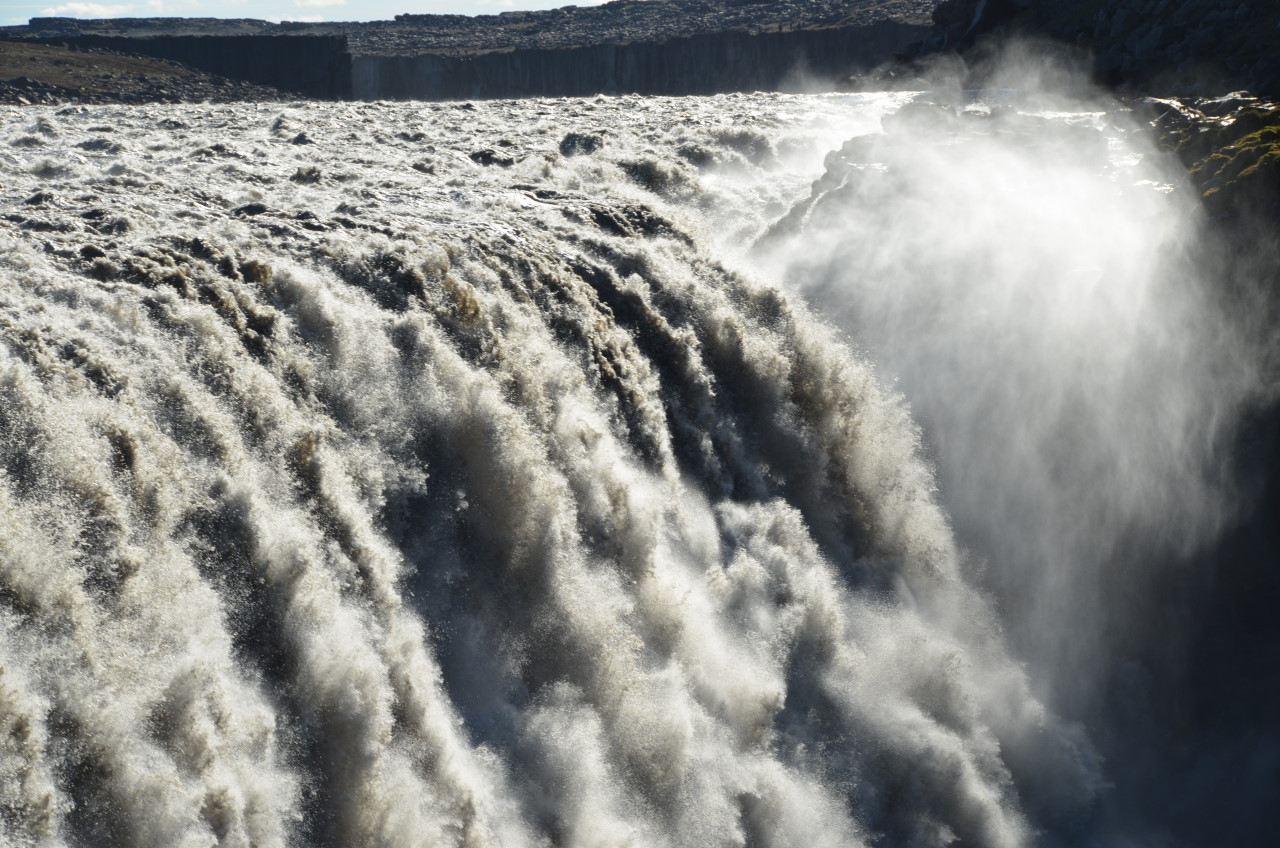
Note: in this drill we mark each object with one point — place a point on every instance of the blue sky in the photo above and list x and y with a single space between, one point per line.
276 10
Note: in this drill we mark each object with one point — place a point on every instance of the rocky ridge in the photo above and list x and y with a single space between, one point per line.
44 74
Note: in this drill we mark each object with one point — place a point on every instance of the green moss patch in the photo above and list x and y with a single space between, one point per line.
1234 161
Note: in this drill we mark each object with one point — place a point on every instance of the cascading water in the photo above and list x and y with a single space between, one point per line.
1031 281
418 475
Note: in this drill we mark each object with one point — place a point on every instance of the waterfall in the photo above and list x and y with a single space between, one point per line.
380 474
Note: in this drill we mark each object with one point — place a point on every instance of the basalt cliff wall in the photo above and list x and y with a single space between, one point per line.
321 66
704 64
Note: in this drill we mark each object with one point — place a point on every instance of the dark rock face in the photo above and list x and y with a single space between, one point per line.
1173 46
698 65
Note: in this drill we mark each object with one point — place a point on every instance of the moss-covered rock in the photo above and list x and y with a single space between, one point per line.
1232 153
1245 170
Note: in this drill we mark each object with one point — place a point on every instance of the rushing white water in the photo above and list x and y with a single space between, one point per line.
1032 281
359 490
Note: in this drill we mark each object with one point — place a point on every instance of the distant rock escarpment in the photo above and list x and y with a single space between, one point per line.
701 64
625 46
1168 47
613 23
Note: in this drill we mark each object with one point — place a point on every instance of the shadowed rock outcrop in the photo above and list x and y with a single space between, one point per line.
1170 46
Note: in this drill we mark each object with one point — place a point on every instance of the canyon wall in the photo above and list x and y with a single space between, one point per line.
320 66
706 64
